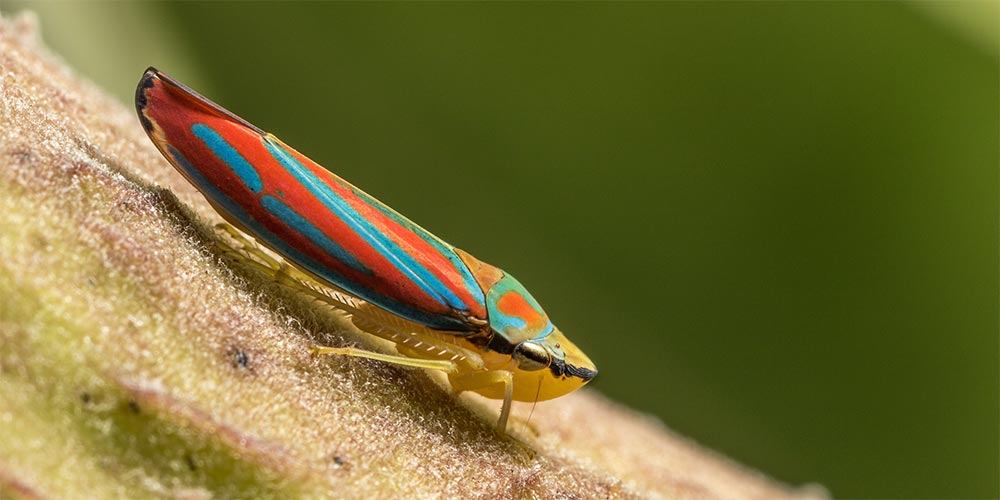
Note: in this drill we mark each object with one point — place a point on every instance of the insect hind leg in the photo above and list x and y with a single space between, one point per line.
430 364
245 248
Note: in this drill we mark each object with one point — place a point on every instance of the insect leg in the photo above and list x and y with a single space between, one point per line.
247 247
246 252
431 364
471 381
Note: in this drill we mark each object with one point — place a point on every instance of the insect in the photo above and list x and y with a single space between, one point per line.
441 307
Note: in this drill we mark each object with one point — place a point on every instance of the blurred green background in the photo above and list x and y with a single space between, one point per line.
772 225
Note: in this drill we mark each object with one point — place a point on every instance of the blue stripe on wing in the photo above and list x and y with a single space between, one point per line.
440 245
230 156
301 225
227 206
381 242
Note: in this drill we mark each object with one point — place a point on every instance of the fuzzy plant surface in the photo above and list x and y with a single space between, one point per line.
137 361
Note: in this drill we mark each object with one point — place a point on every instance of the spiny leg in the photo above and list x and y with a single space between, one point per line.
250 248
477 380
250 254
431 364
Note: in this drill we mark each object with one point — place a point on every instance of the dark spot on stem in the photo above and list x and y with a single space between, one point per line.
22 156
241 358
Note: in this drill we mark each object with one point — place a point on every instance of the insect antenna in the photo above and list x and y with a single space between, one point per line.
533 405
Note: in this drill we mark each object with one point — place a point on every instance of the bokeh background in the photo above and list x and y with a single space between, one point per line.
772 225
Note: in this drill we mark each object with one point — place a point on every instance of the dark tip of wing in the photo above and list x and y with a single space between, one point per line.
147 81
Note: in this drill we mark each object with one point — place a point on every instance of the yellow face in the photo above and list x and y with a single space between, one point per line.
524 342
545 369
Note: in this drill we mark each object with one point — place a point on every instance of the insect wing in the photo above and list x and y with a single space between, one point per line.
315 219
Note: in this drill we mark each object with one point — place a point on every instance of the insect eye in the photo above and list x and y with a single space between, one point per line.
531 356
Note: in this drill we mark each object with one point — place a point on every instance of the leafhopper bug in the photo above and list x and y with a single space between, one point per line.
441 307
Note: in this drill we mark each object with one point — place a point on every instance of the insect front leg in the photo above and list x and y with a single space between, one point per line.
477 380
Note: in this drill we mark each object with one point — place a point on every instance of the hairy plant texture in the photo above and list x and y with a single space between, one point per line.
135 361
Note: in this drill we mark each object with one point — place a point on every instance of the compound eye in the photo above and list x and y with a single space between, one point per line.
531 356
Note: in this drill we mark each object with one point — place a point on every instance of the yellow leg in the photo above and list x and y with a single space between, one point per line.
431 364
249 254
477 380
249 247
